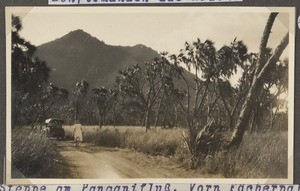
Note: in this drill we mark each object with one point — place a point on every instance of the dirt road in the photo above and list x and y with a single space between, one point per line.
89 161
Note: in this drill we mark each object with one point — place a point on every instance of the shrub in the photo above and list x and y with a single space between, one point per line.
32 152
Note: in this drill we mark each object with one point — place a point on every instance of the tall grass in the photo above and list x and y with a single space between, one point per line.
155 142
261 155
32 152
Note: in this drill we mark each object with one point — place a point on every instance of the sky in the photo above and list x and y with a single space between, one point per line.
162 29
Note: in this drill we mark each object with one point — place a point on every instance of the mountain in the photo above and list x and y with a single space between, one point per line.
78 55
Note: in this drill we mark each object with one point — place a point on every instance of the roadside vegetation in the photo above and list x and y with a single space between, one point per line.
32 152
258 152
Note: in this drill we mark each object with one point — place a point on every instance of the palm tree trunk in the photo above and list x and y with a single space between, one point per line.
100 121
147 120
255 88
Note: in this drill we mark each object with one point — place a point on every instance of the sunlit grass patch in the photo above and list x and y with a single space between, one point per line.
155 142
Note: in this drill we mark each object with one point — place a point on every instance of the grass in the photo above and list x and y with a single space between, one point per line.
261 155
32 152
156 142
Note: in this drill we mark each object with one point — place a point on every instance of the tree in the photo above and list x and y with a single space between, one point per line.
145 87
89 114
274 86
50 96
80 91
262 69
171 113
105 100
166 101
211 67
29 74
268 104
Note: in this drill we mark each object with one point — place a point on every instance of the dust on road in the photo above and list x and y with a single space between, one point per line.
87 161
91 162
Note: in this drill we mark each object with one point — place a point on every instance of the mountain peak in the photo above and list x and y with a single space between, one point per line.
81 34
140 46
79 31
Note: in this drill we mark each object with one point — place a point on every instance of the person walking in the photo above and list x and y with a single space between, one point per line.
78 135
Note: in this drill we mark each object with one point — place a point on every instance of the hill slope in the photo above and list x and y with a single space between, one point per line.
78 56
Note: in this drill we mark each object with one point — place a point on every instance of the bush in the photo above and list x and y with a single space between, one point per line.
32 152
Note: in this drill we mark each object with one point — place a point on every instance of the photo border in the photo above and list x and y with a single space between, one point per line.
119 9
